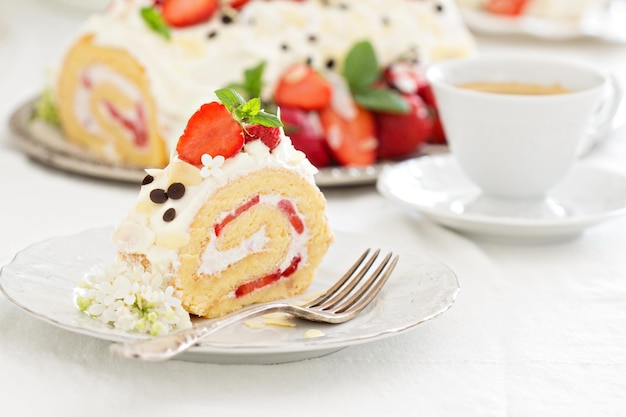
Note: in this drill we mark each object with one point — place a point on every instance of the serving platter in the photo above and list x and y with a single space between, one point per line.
46 144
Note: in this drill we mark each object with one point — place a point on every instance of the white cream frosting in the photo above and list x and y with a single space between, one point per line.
143 231
186 70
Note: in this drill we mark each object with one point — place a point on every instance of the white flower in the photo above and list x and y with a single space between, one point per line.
130 298
211 166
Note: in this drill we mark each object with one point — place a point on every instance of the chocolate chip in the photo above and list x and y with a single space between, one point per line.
284 47
158 195
226 19
212 34
312 38
169 215
439 8
147 179
330 63
176 190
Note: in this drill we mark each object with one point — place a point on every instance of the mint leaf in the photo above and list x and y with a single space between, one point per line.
246 111
251 107
382 100
253 80
265 119
230 98
360 68
155 21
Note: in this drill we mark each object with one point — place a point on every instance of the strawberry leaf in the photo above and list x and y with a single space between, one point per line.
360 68
382 100
154 20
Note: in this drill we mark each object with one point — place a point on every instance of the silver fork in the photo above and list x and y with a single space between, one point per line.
340 303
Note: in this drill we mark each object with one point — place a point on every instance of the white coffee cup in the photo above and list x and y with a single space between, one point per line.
515 146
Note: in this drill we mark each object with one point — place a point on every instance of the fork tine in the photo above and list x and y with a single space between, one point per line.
333 299
366 293
329 292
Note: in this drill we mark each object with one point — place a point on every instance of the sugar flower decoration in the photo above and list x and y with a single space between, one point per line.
131 299
211 166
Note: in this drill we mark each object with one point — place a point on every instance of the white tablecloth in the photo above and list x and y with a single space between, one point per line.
537 330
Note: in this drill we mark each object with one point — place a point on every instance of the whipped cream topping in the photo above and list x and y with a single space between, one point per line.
199 59
144 231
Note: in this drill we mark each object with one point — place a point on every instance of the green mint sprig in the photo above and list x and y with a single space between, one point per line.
154 20
252 82
361 71
246 112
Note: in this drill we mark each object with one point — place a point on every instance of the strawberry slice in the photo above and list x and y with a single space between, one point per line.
505 7
302 87
270 136
181 13
235 4
266 280
289 210
353 141
210 130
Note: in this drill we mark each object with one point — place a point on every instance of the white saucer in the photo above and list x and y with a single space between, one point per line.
436 187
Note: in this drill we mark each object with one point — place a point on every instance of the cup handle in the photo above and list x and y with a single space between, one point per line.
603 120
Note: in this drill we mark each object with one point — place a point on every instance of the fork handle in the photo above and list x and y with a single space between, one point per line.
167 346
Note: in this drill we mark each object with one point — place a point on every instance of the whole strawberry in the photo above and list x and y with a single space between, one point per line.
401 134
270 136
306 134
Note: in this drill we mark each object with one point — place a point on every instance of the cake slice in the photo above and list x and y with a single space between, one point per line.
235 218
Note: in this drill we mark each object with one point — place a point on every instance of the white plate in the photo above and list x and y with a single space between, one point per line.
436 187
41 280
603 23
46 144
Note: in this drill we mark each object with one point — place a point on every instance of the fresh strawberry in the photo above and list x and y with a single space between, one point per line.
270 136
351 141
425 91
505 7
437 135
400 135
235 4
306 134
181 13
210 130
301 86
